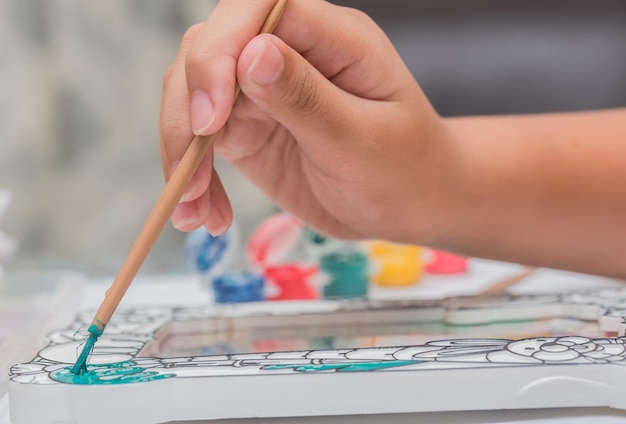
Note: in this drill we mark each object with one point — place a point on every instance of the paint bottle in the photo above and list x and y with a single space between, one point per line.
238 287
396 265
348 273
446 263
291 282
344 266
315 245
271 250
210 256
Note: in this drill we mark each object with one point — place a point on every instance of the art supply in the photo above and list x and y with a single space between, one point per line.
446 263
238 287
348 272
291 282
273 240
317 245
270 250
271 360
344 267
503 285
210 255
160 214
396 265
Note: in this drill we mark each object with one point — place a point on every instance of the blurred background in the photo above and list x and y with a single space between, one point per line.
80 86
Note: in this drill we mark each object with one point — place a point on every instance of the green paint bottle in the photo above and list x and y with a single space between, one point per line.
348 271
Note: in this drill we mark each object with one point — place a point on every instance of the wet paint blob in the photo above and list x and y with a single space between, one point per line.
108 374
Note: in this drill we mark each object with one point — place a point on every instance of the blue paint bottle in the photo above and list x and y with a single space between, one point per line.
209 255
238 287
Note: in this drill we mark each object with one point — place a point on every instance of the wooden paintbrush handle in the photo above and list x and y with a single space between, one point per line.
160 214
164 206
273 17
503 285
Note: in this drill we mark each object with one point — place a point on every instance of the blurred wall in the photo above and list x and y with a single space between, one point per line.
80 86
514 56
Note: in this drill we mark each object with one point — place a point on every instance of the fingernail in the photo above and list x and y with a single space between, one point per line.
187 195
218 232
216 220
268 65
180 222
202 112
190 187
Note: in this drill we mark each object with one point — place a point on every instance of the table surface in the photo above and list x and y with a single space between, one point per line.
185 290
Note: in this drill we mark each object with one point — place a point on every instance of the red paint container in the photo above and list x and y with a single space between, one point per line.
267 249
446 263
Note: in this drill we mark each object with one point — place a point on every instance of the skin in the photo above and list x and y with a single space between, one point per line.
332 126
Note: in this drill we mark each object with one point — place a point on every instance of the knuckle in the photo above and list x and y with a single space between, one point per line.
193 61
202 57
359 16
304 94
171 127
191 33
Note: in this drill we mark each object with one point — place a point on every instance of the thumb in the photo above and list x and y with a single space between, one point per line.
291 90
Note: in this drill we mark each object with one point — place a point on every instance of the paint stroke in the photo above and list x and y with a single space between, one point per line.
342 367
108 374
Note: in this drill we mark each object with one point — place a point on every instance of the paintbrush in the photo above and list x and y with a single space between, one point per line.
160 214
503 285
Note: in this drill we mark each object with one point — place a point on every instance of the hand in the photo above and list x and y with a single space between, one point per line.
330 123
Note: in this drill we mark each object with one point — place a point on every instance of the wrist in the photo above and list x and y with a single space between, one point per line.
432 200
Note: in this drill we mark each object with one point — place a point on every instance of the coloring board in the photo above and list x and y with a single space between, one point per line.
280 359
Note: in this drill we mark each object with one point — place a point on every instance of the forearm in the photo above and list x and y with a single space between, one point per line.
546 190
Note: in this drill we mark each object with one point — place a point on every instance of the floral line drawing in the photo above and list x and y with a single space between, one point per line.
132 330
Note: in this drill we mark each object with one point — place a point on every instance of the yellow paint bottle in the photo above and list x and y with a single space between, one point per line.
396 265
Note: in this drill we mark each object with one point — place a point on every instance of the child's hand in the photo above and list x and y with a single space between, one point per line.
330 123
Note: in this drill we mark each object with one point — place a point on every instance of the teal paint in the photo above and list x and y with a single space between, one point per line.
322 343
80 366
349 274
342 367
314 237
108 374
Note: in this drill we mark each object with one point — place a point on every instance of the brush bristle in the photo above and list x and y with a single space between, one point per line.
80 367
